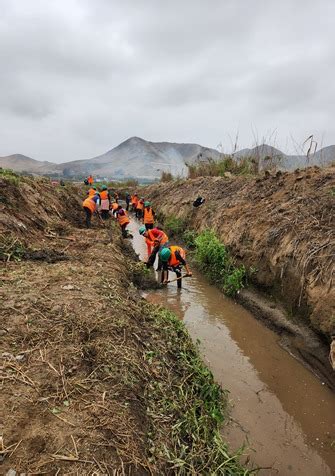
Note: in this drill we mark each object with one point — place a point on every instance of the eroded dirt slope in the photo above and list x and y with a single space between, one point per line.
90 372
282 225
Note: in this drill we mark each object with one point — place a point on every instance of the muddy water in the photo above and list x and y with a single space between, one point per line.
279 409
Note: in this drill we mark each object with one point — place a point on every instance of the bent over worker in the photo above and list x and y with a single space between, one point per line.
90 205
123 220
173 258
159 240
105 202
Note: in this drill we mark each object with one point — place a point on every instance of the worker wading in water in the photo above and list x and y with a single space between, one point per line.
90 205
134 200
104 202
148 216
173 258
122 218
157 239
139 208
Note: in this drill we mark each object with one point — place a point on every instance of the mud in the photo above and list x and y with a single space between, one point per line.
279 409
50 256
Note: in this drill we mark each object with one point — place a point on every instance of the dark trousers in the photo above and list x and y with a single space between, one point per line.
138 213
105 214
127 208
149 226
124 231
88 217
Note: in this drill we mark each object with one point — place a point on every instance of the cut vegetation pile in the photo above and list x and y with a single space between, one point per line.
279 225
94 379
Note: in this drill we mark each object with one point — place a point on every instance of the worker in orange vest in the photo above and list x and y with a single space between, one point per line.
104 202
148 216
123 220
114 208
134 200
90 180
173 258
158 240
92 191
139 208
90 205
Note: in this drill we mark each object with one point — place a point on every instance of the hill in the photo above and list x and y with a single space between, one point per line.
143 159
22 163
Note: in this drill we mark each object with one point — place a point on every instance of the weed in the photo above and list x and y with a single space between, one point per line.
214 168
174 226
166 177
11 249
189 237
187 413
214 259
10 176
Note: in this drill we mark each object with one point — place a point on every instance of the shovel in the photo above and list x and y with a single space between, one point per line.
177 279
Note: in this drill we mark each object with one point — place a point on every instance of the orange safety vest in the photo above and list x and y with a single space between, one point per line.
164 239
148 216
134 200
140 205
91 192
90 180
90 204
173 261
115 206
104 195
123 219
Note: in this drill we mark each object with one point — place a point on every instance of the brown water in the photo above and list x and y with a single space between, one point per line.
284 414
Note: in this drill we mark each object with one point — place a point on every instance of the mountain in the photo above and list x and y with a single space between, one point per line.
20 163
136 157
141 159
269 156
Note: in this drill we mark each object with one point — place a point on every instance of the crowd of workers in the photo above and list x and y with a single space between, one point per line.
105 205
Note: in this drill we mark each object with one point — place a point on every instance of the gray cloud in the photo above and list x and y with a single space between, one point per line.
78 77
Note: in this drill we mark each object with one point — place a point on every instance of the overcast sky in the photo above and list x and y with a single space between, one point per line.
78 77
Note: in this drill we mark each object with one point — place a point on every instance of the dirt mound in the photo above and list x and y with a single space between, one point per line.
282 225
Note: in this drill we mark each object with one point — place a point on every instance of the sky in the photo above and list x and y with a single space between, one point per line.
78 77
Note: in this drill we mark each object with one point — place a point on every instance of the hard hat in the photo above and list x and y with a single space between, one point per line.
104 187
142 229
165 254
147 204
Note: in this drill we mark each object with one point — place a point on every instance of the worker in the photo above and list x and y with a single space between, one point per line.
173 258
134 201
114 209
90 180
92 191
123 220
128 200
159 240
116 197
104 202
139 208
148 216
90 205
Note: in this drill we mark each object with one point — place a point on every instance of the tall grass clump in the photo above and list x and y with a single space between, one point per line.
218 168
10 176
213 258
166 177
174 226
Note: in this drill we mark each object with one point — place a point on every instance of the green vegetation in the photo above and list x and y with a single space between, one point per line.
10 176
189 237
213 258
186 407
11 249
218 168
174 226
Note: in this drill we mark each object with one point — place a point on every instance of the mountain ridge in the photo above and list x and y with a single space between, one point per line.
136 157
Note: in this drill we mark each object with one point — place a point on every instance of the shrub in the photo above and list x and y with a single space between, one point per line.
166 177
214 259
218 168
174 226
10 176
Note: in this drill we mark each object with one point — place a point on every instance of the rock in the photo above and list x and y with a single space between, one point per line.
228 175
70 287
20 357
11 472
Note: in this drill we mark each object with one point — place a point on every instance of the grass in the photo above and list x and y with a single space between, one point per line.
186 412
218 168
10 176
11 249
174 226
166 177
213 258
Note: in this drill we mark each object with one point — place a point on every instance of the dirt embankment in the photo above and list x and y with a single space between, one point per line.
94 379
282 225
